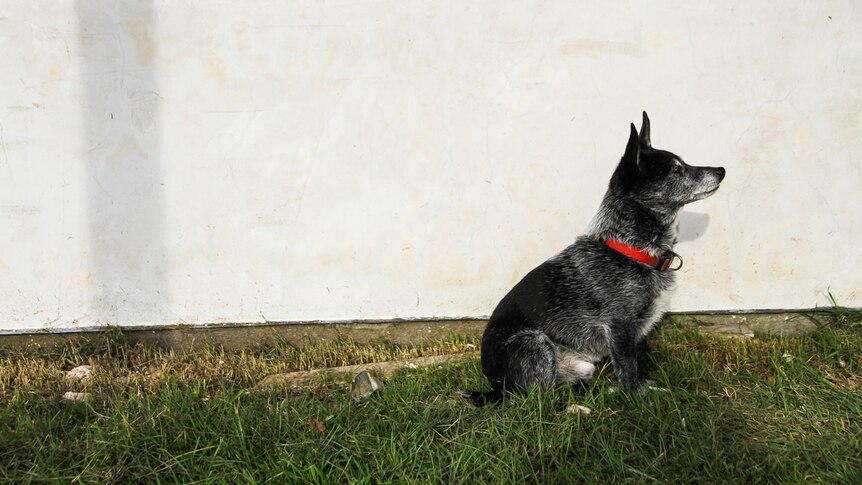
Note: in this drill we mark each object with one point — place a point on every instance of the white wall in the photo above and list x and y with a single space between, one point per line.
169 162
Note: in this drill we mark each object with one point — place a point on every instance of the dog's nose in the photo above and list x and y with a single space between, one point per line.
720 172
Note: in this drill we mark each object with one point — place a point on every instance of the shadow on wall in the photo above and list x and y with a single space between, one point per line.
124 171
692 225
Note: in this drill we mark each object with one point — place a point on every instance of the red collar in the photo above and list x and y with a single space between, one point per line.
661 263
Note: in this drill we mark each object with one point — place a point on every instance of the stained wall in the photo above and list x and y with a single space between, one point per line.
170 162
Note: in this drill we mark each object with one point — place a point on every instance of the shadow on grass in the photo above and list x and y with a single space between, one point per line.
739 410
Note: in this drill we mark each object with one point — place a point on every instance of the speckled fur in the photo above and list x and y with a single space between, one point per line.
590 302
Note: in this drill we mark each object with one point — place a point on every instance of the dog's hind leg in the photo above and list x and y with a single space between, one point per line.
530 359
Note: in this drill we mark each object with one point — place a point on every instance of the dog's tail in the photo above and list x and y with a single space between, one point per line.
480 399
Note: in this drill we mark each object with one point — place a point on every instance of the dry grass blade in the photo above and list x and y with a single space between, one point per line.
299 378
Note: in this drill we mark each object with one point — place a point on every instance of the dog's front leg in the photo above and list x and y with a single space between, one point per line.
644 364
624 356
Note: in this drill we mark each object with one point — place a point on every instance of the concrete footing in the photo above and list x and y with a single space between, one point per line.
236 337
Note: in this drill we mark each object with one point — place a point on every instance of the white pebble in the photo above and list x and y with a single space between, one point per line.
578 409
77 396
80 373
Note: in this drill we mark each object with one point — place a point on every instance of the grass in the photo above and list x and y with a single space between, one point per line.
773 410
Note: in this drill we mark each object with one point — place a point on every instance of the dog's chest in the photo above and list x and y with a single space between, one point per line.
659 306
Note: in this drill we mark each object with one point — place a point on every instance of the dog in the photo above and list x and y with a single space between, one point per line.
601 296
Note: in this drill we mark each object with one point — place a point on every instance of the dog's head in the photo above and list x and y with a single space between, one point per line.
658 179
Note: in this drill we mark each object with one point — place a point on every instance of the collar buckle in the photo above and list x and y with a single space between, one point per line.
664 264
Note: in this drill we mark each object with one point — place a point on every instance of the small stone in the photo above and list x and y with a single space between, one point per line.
363 386
80 373
578 409
77 396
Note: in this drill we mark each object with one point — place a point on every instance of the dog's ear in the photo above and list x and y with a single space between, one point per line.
632 155
645 141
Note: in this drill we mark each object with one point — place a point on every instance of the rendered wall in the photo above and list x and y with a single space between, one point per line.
178 162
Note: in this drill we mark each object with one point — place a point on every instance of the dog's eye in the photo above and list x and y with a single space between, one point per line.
677 168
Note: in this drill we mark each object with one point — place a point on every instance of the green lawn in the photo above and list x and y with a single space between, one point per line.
761 410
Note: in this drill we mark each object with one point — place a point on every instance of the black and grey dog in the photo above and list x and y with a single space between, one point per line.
602 295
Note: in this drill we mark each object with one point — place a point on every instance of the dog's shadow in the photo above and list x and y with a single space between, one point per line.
692 225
